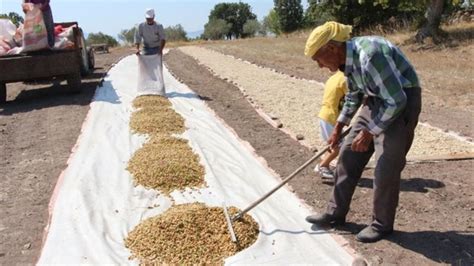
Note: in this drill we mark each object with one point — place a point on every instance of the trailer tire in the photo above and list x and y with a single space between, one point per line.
91 57
85 68
3 92
74 83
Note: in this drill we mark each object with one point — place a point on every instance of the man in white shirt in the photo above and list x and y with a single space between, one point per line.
152 34
150 67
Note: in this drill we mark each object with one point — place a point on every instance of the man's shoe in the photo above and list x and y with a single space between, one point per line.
324 172
371 235
325 219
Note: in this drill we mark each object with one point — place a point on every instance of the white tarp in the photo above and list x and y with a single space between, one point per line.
150 75
96 205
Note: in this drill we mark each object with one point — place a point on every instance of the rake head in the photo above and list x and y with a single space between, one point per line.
229 224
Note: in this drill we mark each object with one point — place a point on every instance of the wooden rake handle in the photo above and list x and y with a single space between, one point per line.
288 178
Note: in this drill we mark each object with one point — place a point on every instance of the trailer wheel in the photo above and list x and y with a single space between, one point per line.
74 83
91 57
3 92
85 68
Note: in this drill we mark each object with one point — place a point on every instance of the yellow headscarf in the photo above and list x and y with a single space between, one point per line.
323 34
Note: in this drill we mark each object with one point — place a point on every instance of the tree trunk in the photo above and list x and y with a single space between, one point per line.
430 27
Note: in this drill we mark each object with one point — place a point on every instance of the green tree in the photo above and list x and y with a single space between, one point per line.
290 14
430 21
216 29
251 28
99 38
127 36
235 14
318 13
176 33
271 22
365 13
14 17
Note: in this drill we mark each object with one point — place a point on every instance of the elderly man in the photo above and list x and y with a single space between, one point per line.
382 80
152 33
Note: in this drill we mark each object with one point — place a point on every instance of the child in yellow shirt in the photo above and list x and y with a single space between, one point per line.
334 91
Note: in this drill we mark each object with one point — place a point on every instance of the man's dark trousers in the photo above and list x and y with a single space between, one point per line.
390 149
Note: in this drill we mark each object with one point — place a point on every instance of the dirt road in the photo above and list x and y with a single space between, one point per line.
39 126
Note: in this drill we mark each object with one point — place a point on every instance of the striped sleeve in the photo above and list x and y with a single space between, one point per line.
383 78
353 100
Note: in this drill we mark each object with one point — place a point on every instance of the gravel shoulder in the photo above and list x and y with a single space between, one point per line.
39 126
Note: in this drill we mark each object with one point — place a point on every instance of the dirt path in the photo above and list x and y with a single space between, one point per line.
435 217
39 126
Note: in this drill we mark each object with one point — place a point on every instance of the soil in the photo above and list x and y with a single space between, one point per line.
39 126
435 216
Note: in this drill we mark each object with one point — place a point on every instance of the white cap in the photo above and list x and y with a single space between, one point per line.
150 13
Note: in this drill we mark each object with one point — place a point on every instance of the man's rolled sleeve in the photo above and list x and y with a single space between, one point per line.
352 103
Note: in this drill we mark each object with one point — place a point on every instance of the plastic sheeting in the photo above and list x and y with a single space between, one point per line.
150 75
95 204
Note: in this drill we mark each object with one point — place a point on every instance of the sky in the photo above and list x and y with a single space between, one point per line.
111 16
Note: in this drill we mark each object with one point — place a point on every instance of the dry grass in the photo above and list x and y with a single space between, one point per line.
190 234
284 54
446 71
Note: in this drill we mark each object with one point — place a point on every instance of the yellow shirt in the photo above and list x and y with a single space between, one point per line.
334 89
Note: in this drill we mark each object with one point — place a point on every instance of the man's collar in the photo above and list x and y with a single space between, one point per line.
349 57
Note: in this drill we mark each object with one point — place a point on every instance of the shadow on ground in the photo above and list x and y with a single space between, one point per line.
451 247
415 184
462 34
45 94
187 95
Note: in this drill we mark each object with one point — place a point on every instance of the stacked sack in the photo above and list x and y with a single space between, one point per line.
9 36
32 36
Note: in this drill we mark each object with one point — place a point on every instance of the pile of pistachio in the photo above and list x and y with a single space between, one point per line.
184 234
164 163
190 234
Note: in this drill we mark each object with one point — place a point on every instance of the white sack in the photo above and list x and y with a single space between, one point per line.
7 29
150 75
35 36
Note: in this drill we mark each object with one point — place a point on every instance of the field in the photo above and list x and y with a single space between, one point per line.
434 225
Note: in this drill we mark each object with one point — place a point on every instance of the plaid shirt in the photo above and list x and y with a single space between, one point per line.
376 68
